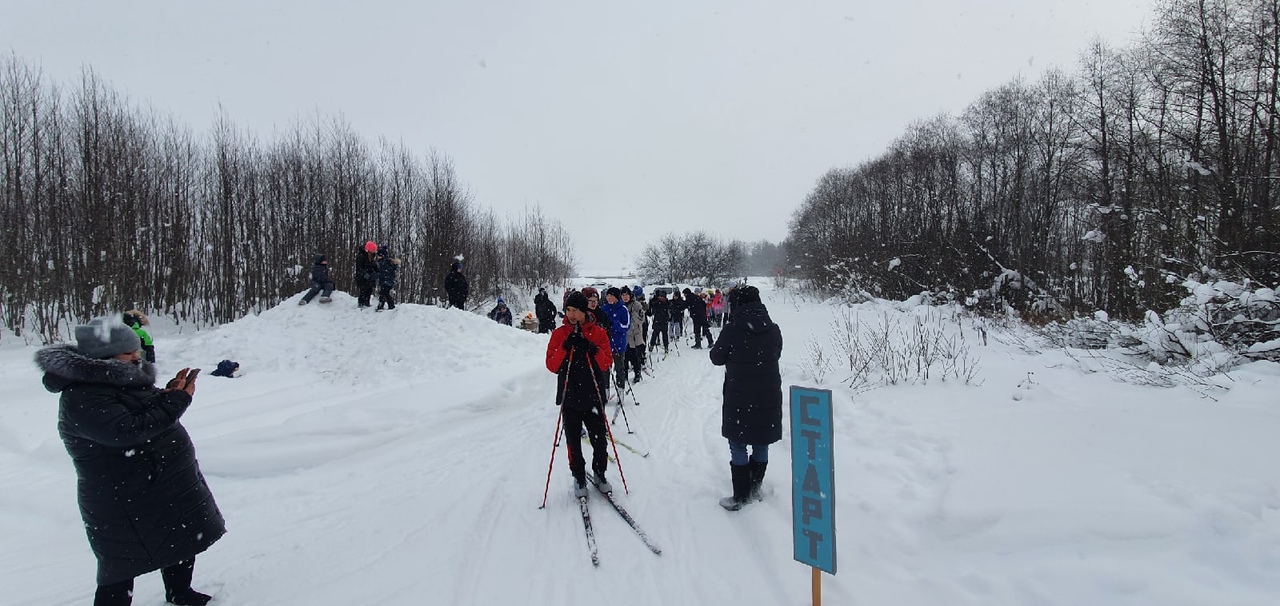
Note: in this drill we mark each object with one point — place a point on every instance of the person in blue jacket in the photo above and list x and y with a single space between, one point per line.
620 322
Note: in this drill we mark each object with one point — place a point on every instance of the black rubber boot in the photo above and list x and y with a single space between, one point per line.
177 585
757 476
741 476
116 594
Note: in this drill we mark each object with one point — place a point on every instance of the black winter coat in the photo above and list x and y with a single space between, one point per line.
455 285
660 309
749 348
366 269
677 309
144 502
320 272
387 268
544 308
603 320
697 310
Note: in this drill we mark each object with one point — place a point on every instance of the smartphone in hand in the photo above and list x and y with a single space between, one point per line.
191 374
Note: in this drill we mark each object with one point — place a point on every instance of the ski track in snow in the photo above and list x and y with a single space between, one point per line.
400 458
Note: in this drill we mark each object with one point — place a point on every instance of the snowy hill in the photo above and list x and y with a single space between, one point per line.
400 457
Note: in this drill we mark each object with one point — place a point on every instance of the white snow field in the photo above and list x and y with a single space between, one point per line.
399 458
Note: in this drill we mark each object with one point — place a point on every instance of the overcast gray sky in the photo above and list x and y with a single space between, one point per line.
624 120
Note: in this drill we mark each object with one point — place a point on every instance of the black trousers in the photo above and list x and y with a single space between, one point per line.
597 433
659 328
384 298
546 325
366 294
699 330
317 288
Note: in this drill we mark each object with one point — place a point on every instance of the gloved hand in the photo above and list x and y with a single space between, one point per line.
578 341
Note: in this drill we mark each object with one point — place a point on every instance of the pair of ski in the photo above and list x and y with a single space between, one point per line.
591 533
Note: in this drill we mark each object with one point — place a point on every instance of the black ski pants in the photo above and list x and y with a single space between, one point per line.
698 331
659 328
384 298
597 433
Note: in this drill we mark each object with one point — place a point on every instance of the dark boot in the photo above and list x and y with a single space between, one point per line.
177 585
741 475
116 594
757 476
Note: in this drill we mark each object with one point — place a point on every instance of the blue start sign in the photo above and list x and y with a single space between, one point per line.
812 479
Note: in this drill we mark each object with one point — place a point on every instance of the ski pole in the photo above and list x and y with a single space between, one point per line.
609 431
554 447
556 444
622 410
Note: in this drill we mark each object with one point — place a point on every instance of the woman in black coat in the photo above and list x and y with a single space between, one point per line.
749 348
144 502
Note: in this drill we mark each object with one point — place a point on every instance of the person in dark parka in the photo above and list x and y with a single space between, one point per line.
660 309
545 310
321 283
144 502
698 317
749 348
366 273
388 266
455 285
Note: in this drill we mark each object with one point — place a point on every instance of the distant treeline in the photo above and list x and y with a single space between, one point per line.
1099 190
106 206
699 258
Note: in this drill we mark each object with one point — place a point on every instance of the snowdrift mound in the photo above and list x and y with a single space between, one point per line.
339 343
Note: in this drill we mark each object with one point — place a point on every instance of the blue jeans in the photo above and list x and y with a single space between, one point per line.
738 453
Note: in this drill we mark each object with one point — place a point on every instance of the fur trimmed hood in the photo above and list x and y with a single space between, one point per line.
64 365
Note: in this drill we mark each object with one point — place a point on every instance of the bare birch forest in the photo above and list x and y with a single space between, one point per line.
1101 189
105 206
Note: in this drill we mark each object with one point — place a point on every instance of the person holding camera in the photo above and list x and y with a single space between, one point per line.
144 502
579 354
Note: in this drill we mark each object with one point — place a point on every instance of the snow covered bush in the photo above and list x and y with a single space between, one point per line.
890 352
1216 326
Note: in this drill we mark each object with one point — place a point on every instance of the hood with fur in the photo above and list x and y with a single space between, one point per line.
64 365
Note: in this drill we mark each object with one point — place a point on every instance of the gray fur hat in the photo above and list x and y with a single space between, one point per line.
106 337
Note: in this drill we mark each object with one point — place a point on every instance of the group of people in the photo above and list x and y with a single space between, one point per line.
596 339
146 506
376 268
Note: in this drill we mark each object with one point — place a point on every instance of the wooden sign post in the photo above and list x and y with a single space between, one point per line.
813 480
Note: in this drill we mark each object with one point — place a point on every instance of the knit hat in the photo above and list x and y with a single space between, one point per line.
501 302
318 260
106 337
747 294
626 290
687 291
589 292
455 266
613 290
370 246
577 301
638 291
